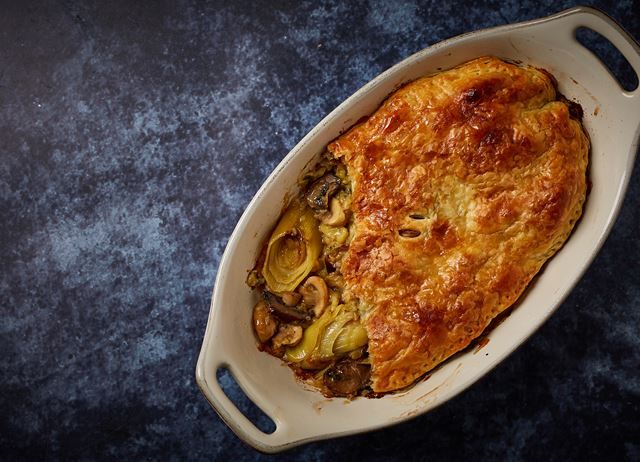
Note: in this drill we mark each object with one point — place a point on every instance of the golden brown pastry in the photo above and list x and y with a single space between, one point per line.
463 184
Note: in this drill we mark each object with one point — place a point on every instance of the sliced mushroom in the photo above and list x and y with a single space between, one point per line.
346 378
264 323
321 192
288 335
291 298
335 216
315 294
286 313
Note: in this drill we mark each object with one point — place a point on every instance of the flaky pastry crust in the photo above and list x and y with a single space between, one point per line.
464 184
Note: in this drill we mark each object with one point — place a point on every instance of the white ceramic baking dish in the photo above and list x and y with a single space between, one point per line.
612 119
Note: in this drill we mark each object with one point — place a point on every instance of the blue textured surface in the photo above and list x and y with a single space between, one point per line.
132 137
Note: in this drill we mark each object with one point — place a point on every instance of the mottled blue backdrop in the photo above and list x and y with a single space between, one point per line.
132 136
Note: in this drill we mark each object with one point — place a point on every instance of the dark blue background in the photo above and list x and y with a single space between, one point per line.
132 136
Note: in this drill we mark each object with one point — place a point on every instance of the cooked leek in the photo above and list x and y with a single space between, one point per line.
310 338
351 337
335 333
328 337
293 248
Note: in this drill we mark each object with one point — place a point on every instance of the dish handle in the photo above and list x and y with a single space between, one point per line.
600 22
281 438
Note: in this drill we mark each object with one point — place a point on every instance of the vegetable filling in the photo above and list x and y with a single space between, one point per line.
304 315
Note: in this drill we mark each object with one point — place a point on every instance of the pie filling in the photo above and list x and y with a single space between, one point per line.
420 225
304 315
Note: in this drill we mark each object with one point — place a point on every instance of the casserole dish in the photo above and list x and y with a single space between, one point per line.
611 117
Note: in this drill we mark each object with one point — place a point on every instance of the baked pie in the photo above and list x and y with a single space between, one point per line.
419 225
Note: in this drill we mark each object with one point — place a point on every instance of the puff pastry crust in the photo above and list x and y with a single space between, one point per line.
487 164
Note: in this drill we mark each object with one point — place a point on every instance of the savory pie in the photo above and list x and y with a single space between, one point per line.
420 225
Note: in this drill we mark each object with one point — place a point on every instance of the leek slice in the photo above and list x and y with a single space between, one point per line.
326 345
351 337
293 248
310 339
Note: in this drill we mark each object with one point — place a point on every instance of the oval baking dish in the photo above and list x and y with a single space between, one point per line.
612 119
